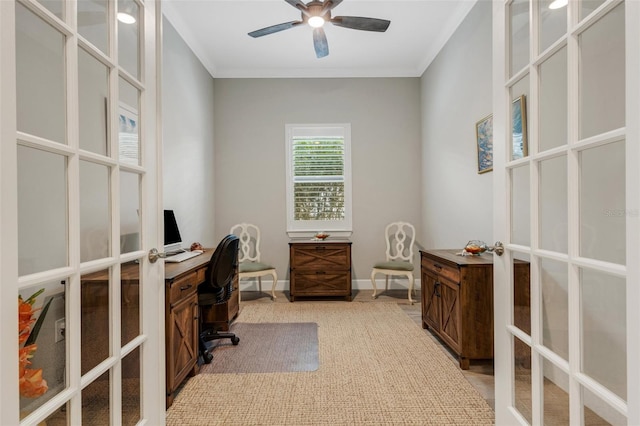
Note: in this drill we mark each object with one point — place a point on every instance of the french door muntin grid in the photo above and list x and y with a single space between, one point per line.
573 260
74 155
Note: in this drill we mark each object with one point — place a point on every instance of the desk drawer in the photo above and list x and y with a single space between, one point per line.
441 269
183 287
322 283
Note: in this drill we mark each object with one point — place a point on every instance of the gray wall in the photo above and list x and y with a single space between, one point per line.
188 140
250 117
456 93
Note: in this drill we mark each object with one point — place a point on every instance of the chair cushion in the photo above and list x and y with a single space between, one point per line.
253 267
394 265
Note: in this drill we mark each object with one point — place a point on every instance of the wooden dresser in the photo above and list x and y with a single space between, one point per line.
320 268
457 300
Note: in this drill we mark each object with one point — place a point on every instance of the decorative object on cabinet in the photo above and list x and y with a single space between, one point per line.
320 268
519 147
216 290
400 238
457 300
484 142
250 265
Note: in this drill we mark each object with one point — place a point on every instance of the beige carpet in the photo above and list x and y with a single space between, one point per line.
267 348
377 367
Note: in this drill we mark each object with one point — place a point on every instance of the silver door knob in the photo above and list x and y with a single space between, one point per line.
498 248
154 255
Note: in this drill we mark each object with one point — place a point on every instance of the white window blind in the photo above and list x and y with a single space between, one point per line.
318 192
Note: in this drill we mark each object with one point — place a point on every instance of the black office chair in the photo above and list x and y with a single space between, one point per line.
217 289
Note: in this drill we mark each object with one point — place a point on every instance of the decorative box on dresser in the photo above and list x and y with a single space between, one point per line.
320 268
457 300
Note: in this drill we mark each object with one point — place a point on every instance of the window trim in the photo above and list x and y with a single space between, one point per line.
298 228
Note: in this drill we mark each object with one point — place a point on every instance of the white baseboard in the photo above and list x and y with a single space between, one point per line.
283 285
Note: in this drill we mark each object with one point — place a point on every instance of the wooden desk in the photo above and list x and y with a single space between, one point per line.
457 300
181 316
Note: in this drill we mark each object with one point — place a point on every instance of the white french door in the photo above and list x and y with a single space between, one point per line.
566 179
79 185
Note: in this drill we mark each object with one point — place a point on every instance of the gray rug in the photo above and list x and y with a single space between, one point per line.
267 348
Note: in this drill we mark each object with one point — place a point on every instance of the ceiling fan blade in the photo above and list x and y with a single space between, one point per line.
329 5
274 29
299 5
320 43
358 23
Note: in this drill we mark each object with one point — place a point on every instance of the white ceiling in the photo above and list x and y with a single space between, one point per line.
216 30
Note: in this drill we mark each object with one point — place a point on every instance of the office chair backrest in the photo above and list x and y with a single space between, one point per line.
222 268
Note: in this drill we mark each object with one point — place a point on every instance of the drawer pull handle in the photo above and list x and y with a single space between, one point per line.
320 247
320 272
185 287
437 289
435 265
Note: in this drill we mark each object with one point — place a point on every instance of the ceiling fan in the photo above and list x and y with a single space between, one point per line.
316 13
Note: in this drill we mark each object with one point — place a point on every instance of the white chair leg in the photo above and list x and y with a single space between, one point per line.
273 287
410 276
373 282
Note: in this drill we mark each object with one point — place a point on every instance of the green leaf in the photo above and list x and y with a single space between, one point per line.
36 327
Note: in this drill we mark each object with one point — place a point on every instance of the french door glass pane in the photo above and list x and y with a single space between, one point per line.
597 412
588 6
519 37
601 75
95 230
602 203
45 305
95 402
93 87
94 297
553 101
555 394
555 306
92 23
130 301
553 204
129 123
40 77
603 329
553 23
520 223
128 37
131 388
54 6
42 211
522 376
129 212
522 292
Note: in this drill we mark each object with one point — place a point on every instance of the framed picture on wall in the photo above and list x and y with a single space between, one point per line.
519 147
128 134
484 141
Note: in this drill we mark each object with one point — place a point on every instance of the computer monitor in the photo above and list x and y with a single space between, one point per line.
172 238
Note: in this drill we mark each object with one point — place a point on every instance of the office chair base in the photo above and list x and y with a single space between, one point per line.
208 336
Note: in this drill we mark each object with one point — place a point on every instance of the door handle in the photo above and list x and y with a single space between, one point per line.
154 255
498 248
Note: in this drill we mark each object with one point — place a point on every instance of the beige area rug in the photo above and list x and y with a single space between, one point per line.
267 348
377 367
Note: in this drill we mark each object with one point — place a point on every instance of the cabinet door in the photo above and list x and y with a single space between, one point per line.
431 301
450 305
183 353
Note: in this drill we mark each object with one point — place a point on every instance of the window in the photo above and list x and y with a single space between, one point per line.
318 179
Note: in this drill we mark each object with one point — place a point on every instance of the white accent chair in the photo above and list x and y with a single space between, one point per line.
249 265
400 238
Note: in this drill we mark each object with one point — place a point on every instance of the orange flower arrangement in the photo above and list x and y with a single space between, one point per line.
32 384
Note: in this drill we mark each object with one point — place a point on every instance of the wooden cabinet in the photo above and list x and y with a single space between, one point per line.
220 317
181 321
320 268
457 300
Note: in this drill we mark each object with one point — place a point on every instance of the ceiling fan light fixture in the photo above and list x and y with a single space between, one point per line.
316 21
557 4
126 18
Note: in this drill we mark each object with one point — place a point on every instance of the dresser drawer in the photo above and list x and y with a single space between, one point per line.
322 283
441 269
183 287
322 257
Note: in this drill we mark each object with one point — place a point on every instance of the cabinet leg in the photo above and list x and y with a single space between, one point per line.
464 363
